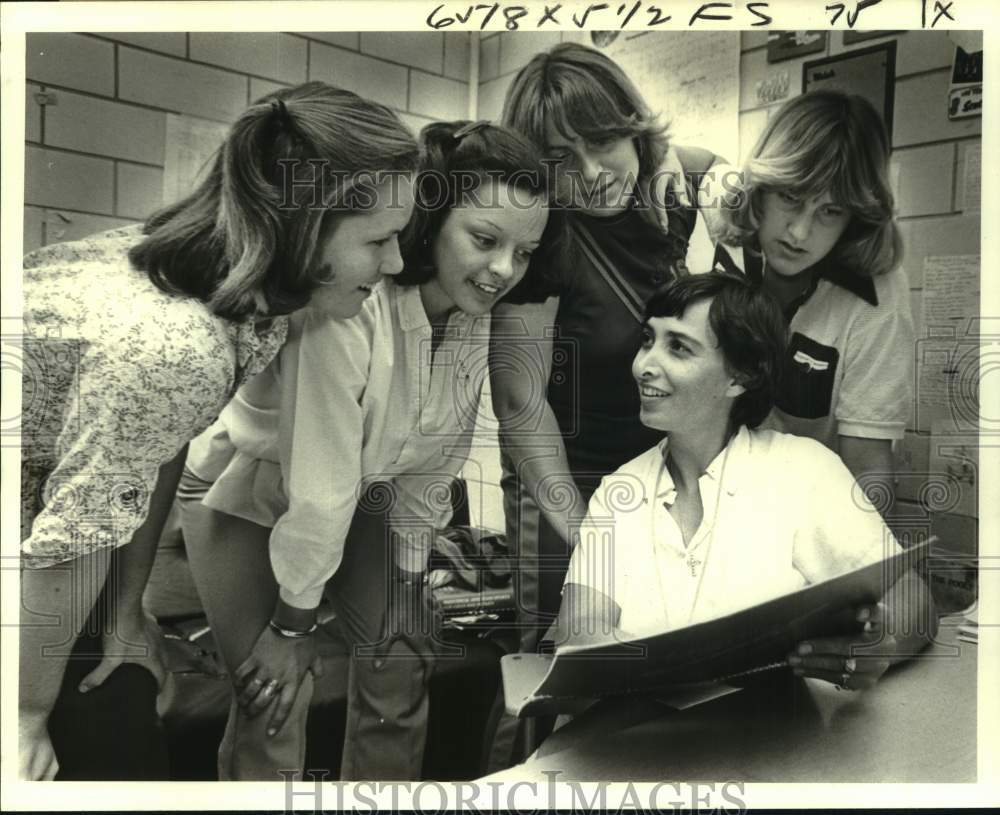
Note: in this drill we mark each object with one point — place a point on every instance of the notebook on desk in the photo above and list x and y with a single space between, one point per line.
736 644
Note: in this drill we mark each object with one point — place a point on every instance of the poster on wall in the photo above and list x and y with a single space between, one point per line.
852 37
965 96
868 72
782 45
688 78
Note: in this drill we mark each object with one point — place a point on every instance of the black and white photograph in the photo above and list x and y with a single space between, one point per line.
544 409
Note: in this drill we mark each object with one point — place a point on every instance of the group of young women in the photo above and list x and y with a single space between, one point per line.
340 351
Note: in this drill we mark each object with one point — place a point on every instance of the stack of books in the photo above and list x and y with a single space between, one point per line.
460 607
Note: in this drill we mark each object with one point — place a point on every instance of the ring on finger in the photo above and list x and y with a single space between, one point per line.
850 666
270 687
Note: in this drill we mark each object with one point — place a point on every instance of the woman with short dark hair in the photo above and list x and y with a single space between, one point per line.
722 515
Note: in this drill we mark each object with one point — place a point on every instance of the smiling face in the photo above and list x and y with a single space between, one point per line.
483 249
360 249
796 233
595 177
682 376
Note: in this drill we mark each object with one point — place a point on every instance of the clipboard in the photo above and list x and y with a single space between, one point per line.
747 641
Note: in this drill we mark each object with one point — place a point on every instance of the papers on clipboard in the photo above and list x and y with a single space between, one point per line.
714 650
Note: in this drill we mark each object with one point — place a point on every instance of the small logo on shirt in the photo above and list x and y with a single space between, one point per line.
809 362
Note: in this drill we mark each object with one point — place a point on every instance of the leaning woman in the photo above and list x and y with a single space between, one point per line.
136 340
330 473
814 226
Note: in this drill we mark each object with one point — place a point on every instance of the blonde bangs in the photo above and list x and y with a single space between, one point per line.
818 143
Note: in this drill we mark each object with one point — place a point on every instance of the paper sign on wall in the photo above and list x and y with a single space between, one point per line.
191 144
689 77
972 177
965 97
948 353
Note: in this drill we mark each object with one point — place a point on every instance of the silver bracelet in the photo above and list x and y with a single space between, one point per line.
292 634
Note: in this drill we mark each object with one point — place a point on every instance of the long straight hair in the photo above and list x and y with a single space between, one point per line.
826 142
245 241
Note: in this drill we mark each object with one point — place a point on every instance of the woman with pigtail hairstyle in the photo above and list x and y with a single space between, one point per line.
329 474
136 339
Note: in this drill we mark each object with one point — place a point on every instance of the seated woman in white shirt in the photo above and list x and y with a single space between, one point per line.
331 471
720 516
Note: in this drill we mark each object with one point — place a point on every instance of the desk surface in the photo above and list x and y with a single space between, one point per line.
918 724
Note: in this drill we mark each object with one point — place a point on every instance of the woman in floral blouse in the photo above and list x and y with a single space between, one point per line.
135 340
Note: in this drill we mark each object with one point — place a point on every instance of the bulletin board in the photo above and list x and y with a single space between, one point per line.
692 79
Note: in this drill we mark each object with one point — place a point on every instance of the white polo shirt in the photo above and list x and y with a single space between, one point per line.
849 364
780 512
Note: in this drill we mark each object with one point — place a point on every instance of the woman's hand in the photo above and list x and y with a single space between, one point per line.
852 662
275 670
136 639
669 189
412 620
409 619
37 759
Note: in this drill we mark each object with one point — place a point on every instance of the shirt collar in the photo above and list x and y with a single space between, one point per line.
410 309
750 261
409 306
727 466
257 343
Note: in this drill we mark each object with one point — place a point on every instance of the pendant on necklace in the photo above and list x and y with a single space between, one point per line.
693 564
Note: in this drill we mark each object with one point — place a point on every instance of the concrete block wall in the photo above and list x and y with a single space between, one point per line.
928 158
96 105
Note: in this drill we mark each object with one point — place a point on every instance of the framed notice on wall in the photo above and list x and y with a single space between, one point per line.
868 72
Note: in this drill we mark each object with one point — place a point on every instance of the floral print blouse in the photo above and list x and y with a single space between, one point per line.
117 377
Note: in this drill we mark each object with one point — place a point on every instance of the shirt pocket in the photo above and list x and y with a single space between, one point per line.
807 378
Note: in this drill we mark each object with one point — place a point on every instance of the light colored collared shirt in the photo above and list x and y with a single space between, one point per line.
780 512
118 376
851 345
349 403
